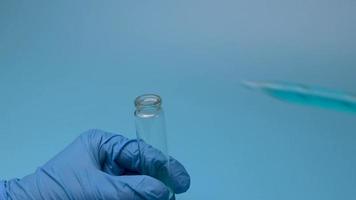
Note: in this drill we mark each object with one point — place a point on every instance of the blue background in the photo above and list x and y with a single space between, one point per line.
67 66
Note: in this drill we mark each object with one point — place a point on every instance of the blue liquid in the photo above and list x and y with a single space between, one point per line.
306 95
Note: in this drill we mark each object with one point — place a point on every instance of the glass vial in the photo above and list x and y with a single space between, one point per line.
150 127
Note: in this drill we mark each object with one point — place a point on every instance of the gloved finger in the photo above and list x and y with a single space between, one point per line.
119 154
103 150
139 187
154 163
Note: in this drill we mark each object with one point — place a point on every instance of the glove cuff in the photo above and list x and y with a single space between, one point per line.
2 190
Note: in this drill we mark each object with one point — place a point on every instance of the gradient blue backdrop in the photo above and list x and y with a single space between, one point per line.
66 66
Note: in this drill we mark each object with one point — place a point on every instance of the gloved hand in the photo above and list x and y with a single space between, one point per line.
100 165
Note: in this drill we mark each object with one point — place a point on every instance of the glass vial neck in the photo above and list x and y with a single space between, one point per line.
148 105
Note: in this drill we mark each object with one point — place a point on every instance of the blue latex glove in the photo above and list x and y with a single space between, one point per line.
99 165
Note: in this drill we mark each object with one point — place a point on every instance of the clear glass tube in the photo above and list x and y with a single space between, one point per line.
150 127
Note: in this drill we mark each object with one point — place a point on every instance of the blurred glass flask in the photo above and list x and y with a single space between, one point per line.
151 128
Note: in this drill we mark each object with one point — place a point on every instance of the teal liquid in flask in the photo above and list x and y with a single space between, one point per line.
150 128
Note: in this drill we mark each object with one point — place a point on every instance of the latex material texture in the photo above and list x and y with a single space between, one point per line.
100 165
2 190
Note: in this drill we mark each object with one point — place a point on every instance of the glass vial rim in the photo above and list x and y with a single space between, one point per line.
148 100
